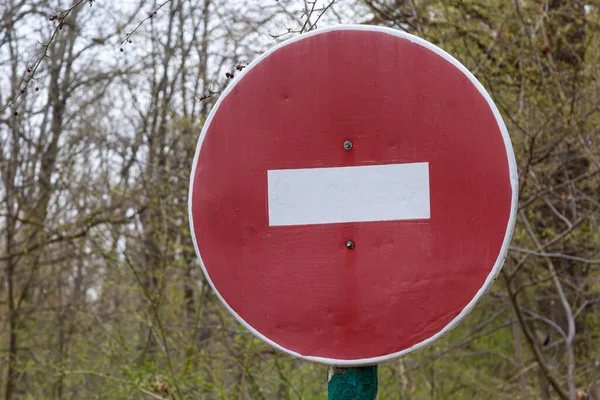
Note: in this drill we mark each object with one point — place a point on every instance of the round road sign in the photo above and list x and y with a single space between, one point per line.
353 194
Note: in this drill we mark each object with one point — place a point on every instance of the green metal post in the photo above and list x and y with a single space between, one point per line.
352 383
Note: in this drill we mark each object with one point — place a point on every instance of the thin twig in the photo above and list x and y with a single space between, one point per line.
150 15
314 25
555 255
61 17
566 307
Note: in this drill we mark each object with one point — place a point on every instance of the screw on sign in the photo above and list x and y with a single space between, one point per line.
352 196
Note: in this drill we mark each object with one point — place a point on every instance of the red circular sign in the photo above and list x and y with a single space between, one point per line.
353 194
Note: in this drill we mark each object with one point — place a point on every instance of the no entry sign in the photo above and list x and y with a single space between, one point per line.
353 194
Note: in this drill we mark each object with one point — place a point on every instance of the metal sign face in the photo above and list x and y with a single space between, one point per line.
353 195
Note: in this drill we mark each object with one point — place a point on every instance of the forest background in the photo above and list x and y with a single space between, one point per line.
101 295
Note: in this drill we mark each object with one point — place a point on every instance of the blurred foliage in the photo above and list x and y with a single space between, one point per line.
101 295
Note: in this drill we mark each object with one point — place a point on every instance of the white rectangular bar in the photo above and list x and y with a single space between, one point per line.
348 194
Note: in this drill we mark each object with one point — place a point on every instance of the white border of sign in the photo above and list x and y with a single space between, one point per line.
513 181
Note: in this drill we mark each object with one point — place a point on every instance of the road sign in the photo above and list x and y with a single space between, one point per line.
353 194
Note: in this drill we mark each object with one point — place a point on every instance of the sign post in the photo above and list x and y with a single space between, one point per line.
352 197
358 383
